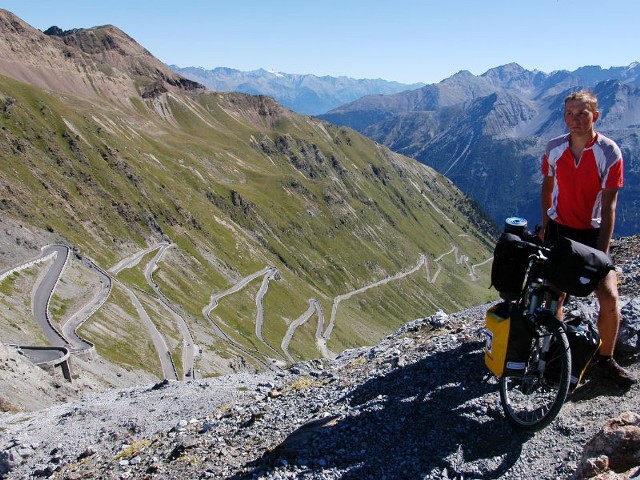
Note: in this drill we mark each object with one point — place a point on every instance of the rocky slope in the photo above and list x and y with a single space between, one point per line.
119 67
418 405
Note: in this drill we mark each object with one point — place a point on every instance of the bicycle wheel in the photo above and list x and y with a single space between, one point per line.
532 400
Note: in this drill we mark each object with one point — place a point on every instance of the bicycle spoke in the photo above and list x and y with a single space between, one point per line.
531 401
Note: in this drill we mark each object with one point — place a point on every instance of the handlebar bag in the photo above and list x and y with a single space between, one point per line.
576 268
510 261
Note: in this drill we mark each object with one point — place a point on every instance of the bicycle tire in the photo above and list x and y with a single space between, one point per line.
532 400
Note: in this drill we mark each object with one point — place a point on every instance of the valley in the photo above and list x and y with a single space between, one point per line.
63 331
487 132
209 233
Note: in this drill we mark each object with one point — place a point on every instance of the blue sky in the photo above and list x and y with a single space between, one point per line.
402 40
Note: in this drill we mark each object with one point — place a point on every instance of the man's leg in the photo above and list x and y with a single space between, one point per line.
608 324
559 310
609 315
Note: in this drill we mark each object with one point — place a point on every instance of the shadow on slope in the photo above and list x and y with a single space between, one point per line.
438 413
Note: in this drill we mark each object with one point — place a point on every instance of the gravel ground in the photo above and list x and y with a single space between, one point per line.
420 405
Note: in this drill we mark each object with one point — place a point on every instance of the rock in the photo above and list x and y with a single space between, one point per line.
8 460
614 452
629 335
90 451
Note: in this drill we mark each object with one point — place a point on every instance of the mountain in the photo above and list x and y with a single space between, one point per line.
487 133
305 94
220 225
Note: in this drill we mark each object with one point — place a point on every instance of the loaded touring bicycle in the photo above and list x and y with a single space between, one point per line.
537 358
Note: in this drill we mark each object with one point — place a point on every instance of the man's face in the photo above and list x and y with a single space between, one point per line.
579 118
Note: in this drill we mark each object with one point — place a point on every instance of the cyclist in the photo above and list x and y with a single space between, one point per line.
583 171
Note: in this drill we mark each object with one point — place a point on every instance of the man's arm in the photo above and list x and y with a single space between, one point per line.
608 214
546 201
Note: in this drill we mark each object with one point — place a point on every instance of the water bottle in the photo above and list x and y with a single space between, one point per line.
515 225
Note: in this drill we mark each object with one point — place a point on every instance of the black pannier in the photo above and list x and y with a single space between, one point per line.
520 339
584 342
576 268
510 261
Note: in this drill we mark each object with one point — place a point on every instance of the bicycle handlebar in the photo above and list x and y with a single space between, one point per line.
534 248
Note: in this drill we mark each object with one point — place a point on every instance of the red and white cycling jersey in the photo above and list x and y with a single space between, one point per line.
577 193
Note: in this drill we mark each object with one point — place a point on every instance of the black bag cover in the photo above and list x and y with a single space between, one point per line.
509 266
584 342
576 268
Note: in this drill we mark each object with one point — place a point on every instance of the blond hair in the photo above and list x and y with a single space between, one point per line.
585 96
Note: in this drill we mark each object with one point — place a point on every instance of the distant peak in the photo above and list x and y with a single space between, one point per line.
54 31
463 74
98 39
511 68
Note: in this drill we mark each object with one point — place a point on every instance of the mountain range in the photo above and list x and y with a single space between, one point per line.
304 94
225 222
487 133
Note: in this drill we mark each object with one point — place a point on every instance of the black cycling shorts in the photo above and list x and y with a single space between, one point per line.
555 230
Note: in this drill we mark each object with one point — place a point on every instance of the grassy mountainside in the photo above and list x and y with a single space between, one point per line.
235 183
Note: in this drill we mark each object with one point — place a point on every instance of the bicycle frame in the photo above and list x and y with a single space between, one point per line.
531 398
539 299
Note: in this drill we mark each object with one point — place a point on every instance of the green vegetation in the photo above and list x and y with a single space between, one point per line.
7 284
236 183
119 336
134 277
58 306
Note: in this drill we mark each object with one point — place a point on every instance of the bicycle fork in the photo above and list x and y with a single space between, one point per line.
537 295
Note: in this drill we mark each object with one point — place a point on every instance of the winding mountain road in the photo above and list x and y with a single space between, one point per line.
68 337
71 325
314 306
44 291
60 341
169 370
189 348
267 272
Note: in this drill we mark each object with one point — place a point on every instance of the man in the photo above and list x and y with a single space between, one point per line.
583 171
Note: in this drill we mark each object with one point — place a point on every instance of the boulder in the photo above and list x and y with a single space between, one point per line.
614 452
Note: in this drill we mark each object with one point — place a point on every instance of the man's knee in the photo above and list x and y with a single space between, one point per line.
607 289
